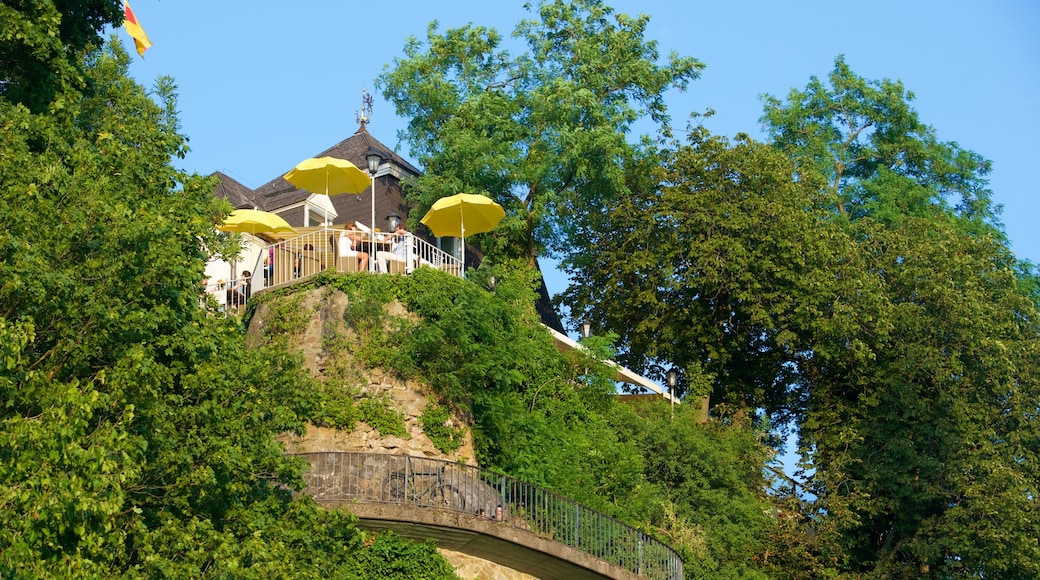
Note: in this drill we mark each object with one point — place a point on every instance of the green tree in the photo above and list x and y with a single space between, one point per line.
137 434
709 487
830 280
908 430
880 160
542 132
42 43
718 271
924 444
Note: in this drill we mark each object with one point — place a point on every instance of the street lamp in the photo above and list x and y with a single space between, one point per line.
392 221
374 159
586 328
672 378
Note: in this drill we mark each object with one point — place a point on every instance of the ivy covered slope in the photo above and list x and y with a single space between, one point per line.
136 433
547 417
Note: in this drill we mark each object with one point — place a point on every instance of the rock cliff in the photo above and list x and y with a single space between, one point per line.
325 340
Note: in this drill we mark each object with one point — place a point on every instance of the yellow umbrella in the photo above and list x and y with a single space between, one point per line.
254 221
328 175
461 213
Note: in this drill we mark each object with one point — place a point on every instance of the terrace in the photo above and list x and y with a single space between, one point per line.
316 249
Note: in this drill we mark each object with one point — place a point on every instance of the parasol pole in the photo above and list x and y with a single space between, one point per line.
325 223
462 230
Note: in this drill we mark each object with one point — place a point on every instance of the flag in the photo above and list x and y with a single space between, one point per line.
134 29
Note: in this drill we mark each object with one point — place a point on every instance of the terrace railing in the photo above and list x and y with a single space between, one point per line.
227 297
317 251
446 485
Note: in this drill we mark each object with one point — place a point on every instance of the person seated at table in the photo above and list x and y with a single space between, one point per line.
350 245
239 292
399 251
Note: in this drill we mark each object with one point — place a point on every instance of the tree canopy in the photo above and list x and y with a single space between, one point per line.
137 433
851 279
543 132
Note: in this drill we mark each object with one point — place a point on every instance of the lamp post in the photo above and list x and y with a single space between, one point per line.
586 331
392 221
672 378
374 159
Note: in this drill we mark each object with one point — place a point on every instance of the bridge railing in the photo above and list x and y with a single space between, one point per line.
434 483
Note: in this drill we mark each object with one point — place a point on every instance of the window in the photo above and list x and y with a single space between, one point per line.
450 246
316 217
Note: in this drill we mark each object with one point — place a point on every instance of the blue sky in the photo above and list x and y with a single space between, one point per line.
263 86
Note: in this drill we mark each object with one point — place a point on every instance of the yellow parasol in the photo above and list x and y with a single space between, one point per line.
254 221
463 213
328 175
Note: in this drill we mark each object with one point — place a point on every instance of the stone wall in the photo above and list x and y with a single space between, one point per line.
468 567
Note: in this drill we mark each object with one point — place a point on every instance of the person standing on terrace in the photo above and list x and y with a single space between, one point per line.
269 263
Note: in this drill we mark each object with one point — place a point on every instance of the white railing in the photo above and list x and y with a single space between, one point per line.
308 254
229 296
325 249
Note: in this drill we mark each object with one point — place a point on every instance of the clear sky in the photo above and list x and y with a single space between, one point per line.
264 85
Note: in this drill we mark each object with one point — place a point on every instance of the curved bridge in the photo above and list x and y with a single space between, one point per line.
487 515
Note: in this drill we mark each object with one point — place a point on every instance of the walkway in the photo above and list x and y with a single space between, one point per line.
486 515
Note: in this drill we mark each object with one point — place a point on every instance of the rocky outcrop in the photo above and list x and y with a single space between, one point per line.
467 566
315 322
325 340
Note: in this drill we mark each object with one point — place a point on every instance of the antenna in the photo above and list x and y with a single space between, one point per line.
365 114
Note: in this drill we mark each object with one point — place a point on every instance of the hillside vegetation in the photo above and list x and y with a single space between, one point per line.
848 280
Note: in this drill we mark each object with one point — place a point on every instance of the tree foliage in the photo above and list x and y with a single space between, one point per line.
540 132
919 446
907 431
137 434
852 278
879 159
41 43
715 272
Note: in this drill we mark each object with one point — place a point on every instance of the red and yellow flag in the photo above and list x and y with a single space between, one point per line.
134 29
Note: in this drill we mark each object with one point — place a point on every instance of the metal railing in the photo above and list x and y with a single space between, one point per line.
320 250
300 257
434 483
227 297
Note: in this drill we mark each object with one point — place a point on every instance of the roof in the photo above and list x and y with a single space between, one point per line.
238 195
280 193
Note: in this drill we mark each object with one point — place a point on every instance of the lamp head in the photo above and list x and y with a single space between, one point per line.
586 328
374 159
